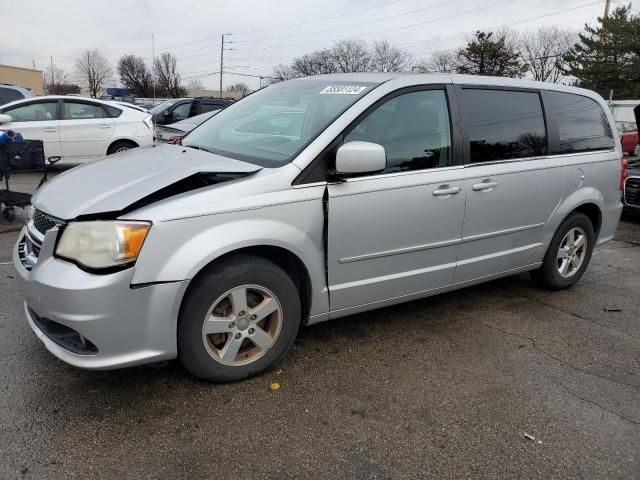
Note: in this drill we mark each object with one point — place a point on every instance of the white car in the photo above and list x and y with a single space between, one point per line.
78 129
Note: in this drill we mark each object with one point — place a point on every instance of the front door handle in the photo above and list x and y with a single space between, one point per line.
50 130
446 191
486 186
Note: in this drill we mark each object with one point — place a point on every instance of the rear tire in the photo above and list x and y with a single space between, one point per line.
120 146
239 319
568 255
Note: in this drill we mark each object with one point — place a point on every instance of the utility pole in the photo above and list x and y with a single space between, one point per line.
607 5
52 79
153 67
221 62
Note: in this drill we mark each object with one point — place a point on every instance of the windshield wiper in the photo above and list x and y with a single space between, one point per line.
197 147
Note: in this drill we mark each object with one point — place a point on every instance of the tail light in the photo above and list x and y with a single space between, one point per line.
623 172
175 139
148 122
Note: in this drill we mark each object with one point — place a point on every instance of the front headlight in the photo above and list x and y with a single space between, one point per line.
98 245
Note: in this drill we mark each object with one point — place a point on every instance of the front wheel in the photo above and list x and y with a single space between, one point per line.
568 255
239 319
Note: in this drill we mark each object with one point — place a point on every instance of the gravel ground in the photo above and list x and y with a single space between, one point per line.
444 387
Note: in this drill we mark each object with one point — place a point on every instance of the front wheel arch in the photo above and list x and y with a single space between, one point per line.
283 258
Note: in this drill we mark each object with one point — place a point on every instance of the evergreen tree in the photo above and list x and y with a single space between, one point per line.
608 56
489 55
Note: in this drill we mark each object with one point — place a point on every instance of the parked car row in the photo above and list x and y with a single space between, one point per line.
78 129
628 132
175 110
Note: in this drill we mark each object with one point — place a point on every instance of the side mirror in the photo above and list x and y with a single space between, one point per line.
360 157
5 119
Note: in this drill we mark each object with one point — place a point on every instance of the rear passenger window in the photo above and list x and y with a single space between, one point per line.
82 111
582 124
503 124
209 107
413 128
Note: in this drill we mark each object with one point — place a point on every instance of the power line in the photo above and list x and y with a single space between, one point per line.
433 20
318 19
449 2
507 24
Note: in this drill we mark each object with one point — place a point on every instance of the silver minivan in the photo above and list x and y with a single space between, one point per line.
310 200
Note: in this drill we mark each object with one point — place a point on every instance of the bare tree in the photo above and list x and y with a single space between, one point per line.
135 75
388 58
167 76
440 62
345 56
93 71
195 84
351 56
543 52
243 88
56 76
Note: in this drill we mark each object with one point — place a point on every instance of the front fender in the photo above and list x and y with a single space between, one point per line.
177 250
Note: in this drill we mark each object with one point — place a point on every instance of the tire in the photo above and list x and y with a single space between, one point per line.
211 303
550 275
120 146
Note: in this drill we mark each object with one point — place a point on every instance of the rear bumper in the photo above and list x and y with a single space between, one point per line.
610 218
127 326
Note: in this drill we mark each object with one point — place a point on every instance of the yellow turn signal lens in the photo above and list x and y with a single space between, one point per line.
133 237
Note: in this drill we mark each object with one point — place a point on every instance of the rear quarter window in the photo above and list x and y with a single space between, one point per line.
582 124
113 112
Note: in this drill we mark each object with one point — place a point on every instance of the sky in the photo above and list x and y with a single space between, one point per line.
259 34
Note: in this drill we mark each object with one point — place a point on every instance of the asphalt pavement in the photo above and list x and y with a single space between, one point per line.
501 380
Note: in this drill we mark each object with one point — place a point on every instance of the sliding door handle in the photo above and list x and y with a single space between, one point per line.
485 186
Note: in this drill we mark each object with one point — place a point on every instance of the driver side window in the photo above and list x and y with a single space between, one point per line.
412 127
181 112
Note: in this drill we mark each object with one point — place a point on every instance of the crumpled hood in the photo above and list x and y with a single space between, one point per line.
118 181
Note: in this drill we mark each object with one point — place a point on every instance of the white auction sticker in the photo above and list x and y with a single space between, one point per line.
342 90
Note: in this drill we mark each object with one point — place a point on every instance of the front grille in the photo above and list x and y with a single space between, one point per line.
30 245
632 191
64 336
43 222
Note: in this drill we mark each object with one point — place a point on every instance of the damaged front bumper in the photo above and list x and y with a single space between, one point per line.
95 321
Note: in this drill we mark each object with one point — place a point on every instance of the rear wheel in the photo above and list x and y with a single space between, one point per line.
568 255
120 146
239 319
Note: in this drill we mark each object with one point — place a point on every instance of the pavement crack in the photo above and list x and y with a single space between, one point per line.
596 404
572 314
559 360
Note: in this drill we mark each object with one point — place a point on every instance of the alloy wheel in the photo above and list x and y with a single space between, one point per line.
242 325
572 252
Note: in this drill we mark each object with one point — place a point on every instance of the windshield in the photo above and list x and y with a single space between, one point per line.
271 126
161 107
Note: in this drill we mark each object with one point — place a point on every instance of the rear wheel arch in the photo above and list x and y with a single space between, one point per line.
113 146
593 213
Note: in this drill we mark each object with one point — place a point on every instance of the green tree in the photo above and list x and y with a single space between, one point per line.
492 55
608 56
